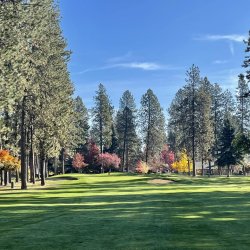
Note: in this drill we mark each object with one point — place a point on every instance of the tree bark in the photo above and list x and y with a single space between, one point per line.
32 166
6 178
127 159
125 139
209 166
9 175
2 178
202 166
55 165
228 170
42 165
23 147
31 158
17 176
63 161
46 168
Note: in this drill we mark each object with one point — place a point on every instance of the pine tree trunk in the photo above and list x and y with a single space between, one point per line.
37 167
2 177
27 167
228 170
244 170
9 175
202 166
125 139
46 167
17 176
23 147
32 166
42 165
31 158
127 159
63 162
6 178
55 165
209 166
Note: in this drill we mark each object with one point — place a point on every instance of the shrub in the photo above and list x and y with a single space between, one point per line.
142 167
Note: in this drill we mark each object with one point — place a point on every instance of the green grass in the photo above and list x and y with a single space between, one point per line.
126 212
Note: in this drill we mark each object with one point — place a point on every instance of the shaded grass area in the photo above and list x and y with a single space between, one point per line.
126 212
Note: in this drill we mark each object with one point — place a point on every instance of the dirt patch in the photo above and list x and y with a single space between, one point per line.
160 182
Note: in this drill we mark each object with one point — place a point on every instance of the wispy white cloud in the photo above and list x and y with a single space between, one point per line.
232 37
146 66
220 61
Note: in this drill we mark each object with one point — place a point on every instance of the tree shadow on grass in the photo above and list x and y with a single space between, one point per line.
102 216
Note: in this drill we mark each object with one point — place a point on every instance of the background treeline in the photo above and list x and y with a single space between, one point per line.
44 126
208 124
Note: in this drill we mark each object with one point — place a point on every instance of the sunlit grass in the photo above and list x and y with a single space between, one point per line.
126 212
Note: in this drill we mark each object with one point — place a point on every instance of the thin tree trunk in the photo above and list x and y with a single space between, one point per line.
202 166
228 170
9 175
125 139
17 176
23 147
6 178
42 164
55 165
209 167
2 178
46 167
63 162
31 158
27 167
32 166
127 159
37 168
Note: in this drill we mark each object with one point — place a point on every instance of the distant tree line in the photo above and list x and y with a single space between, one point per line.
42 126
210 124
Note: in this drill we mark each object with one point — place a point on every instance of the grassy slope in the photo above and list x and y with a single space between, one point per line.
125 212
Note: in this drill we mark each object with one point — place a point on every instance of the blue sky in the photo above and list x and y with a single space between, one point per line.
141 44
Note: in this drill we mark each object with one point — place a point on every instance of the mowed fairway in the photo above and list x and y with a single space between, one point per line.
126 212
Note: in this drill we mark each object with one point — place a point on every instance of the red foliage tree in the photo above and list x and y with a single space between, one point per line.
93 153
108 161
78 162
167 156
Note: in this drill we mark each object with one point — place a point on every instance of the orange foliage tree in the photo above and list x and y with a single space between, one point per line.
8 162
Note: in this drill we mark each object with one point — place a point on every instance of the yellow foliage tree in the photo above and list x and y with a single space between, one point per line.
184 164
8 162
